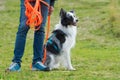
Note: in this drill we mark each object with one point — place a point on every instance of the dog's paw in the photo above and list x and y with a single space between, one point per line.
71 69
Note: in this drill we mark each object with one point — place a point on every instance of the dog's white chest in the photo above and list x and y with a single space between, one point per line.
70 38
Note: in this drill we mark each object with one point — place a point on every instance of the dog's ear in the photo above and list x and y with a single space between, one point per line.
72 11
62 12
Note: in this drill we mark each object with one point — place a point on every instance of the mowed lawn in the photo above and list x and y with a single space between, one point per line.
96 55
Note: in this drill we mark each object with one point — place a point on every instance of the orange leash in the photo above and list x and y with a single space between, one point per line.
33 14
47 35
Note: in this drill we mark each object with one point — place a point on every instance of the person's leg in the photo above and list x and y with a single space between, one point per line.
38 42
21 35
20 40
39 35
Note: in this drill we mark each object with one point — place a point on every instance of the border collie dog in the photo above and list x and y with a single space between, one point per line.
61 41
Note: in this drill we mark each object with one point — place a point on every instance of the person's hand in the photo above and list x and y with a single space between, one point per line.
51 9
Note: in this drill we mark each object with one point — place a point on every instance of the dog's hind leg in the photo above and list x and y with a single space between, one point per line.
51 64
57 63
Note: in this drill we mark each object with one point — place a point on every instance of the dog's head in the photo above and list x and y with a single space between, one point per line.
68 18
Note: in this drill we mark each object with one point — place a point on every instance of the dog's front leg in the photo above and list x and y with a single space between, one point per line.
67 60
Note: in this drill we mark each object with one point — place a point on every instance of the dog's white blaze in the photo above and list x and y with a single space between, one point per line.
73 15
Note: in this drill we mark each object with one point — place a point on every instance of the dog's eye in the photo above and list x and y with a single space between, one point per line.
74 16
71 17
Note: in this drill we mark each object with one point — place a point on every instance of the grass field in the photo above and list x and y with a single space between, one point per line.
96 55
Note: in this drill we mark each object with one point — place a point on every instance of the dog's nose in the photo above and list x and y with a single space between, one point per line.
77 20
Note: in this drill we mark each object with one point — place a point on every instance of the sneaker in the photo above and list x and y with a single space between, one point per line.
14 67
38 66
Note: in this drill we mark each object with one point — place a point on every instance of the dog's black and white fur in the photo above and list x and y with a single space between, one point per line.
61 41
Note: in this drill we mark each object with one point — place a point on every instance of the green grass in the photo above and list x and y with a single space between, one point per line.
96 55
